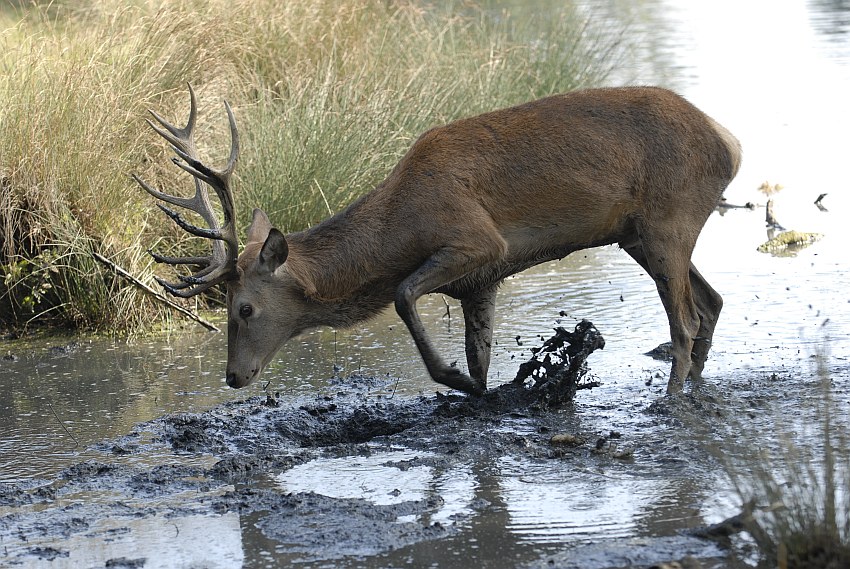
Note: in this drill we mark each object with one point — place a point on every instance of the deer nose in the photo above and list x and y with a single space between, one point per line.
233 381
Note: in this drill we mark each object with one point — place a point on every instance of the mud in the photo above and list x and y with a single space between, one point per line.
229 461
248 442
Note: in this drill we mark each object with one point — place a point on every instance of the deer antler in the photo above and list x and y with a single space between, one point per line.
220 266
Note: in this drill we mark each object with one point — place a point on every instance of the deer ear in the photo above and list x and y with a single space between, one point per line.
260 226
274 251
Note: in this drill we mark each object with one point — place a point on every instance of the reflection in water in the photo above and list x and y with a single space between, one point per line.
154 542
549 506
506 513
374 478
542 504
830 20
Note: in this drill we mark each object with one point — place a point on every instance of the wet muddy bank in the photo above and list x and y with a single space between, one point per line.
240 461
562 468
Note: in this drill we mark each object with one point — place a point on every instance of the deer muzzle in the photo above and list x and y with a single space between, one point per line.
237 381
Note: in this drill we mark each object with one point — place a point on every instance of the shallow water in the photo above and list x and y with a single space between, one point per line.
778 76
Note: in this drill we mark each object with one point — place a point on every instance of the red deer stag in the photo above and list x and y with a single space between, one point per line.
471 203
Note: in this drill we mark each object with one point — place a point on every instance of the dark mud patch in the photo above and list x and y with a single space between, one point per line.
394 480
345 528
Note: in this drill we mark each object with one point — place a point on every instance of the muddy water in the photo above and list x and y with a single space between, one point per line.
450 486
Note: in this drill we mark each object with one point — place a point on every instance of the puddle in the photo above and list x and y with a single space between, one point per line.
374 478
157 541
554 507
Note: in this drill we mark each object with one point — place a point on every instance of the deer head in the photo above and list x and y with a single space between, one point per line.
254 332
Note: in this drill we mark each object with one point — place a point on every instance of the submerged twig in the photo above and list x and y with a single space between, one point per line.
770 218
61 424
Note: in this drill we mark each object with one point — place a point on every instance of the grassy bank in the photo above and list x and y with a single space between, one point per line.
328 95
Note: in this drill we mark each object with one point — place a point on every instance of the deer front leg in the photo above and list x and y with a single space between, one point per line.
443 267
478 311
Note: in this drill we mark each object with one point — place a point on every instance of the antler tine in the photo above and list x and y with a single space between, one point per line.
181 138
218 180
234 141
199 203
186 289
221 264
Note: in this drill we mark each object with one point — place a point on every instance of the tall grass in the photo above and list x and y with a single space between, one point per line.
328 95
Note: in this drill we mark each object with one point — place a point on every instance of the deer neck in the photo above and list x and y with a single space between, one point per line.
341 266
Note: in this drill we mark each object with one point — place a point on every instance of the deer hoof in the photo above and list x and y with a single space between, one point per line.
454 378
675 386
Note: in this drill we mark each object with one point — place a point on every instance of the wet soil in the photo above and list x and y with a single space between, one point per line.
259 438
226 461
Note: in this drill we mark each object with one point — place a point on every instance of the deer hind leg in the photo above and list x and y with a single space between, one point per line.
667 261
709 303
478 311
443 267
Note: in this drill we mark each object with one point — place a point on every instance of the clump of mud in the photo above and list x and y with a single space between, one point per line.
558 368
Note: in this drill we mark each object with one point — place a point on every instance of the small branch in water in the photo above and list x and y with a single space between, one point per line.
724 205
61 424
337 367
770 218
744 521
820 205
729 526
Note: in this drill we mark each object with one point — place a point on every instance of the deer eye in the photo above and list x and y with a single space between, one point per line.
246 310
